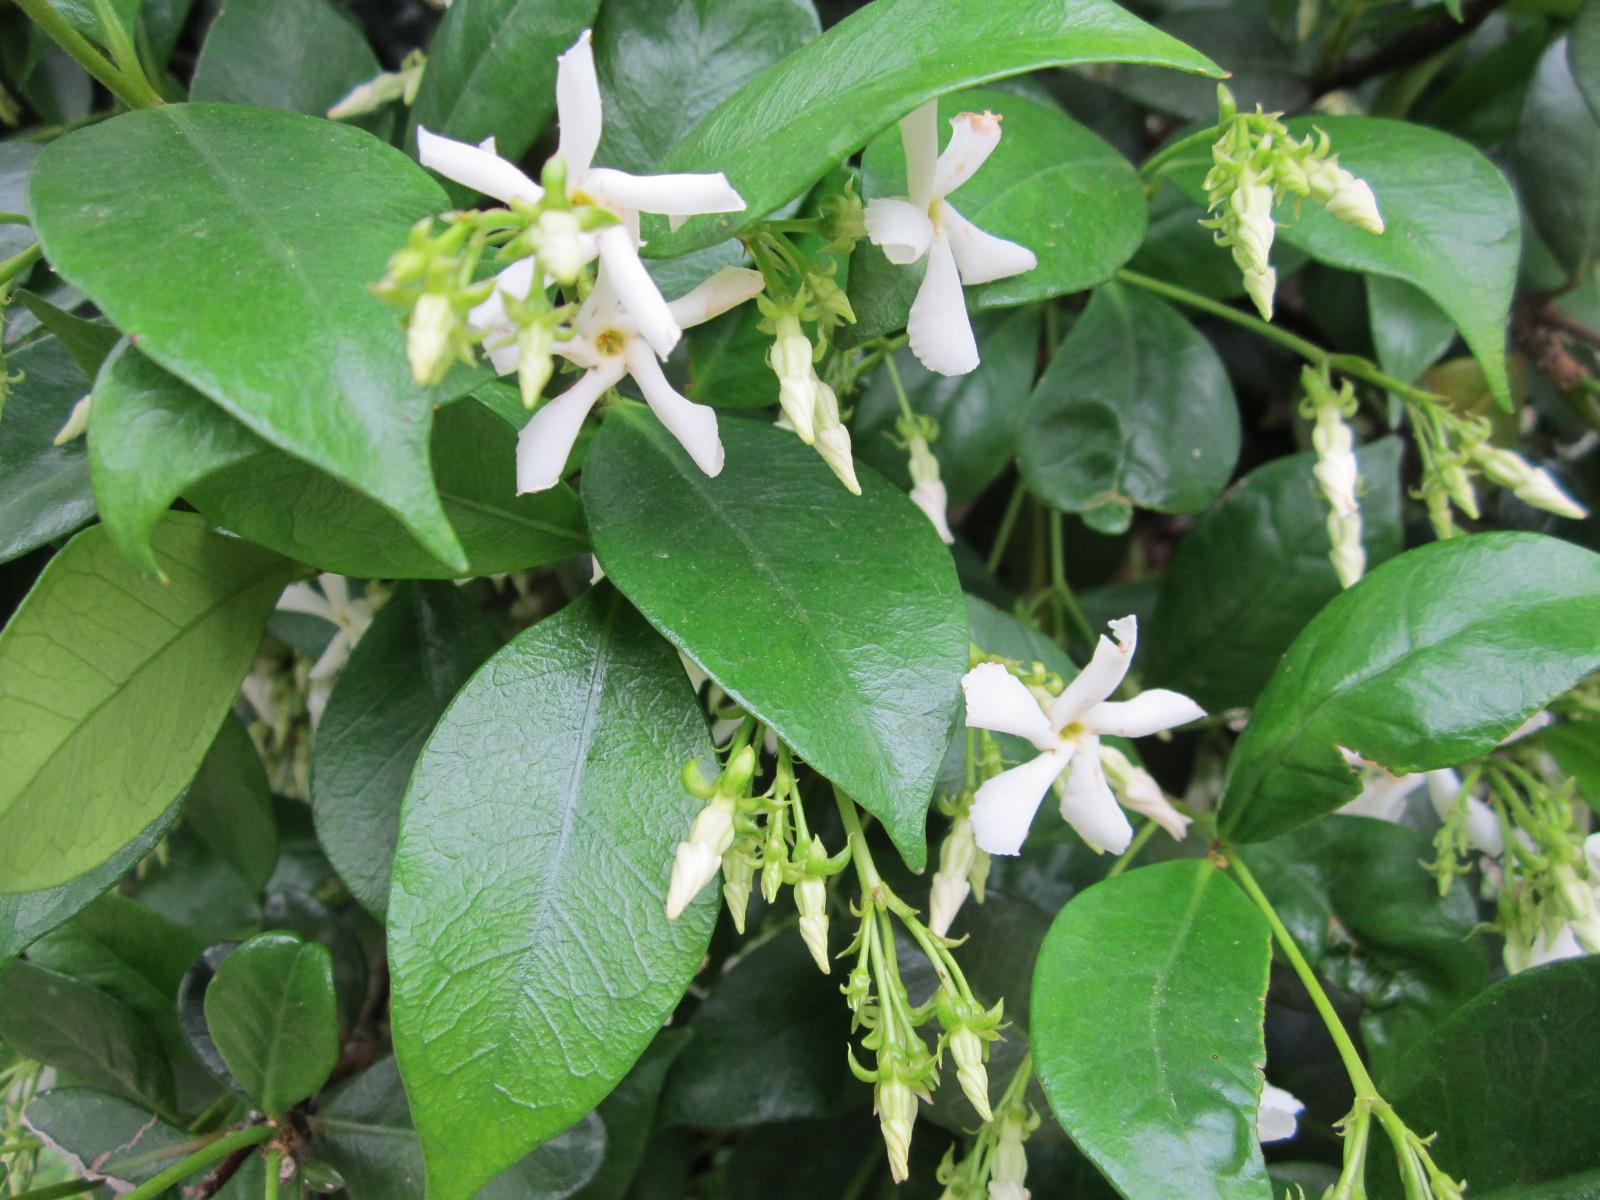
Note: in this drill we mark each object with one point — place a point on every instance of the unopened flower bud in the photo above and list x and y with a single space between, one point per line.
1458 486
563 248
428 335
699 857
957 857
1249 223
1534 486
1261 286
927 489
1010 1170
833 439
737 877
1342 194
1348 555
77 421
856 988
896 1106
534 342
1139 792
791 359
771 877
811 898
968 1050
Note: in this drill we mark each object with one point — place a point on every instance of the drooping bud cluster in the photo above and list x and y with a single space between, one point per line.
1336 471
432 277
810 405
996 1165
967 1030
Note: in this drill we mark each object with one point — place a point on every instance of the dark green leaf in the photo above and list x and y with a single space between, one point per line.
191 1009
229 805
978 413
105 1136
365 1133
728 361
1425 663
84 16
303 55
1135 409
629 1114
1255 569
1558 162
1261 67
87 341
282 223
270 1012
426 640
737 1073
794 122
112 687
663 67
1507 1082
835 619
1409 331
78 1029
1147 1009
530 887
44 490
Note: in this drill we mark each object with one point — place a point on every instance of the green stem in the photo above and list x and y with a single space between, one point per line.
899 390
866 869
1200 137
75 1187
1146 831
18 1146
1357 1070
1058 579
274 1165
119 43
1008 524
211 1152
135 93
19 263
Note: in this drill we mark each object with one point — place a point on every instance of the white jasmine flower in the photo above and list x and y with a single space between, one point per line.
334 604
609 344
925 223
1068 738
625 196
1278 1114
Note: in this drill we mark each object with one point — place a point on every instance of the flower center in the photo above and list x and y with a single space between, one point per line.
610 341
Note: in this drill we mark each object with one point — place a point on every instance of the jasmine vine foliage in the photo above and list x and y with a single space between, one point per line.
961 599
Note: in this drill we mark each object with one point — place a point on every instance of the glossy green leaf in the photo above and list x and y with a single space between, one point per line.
1368 916
270 1012
629 1114
424 643
1409 331
492 70
84 16
80 1030
88 342
229 805
978 413
112 687
1261 65
1148 998
1583 54
530 887
365 1133
663 67
795 121
1507 1082
106 1137
1558 162
1135 410
735 1073
261 299
260 52
44 492
835 619
1427 662
1255 569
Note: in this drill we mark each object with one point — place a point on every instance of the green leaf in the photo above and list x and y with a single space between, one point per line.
27 916
492 71
107 1137
229 805
112 688
530 887
1427 662
1135 409
1261 66
87 341
84 16
1369 917
270 1012
735 1073
251 284
423 644
1507 1082
663 67
978 413
1409 331
1148 999
1558 162
1051 185
81 1031
801 117
1583 54
835 619
44 492
364 1132
299 511
1255 569
629 1114
256 53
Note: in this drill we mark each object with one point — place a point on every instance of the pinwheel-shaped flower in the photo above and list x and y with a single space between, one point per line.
1068 738
925 223
623 195
609 344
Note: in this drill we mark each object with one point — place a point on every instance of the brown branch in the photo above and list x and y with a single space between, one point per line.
1422 42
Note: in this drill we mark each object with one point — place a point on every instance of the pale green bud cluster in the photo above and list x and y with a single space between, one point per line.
1455 448
967 1030
1532 485
963 870
810 405
996 1166
432 276
383 89
1336 470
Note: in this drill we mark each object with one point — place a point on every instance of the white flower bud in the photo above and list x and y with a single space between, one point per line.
966 1047
927 489
1533 486
957 856
896 1106
534 342
1010 1169
811 898
1348 555
1342 194
797 396
699 858
77 420
1139 792
1248 224
791 358
1336 468
563 247
433 321
1260 286
833 439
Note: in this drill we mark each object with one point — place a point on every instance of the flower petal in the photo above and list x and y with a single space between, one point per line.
1101 677
1004 806
999 701
973 137
303 598
578 108
919 138
673 195
1139 792
490 319
932 498
728 288
476 167
899 228
982 257
694 425
636 291
546 440
940 333
1276 1115
1088 805
1148 712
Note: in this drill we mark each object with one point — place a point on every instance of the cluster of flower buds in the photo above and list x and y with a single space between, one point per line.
903 1073
382 90
1532 485
810 405
432 276
711 836
966 1031
1257 162
963 868
996 1166
1336 471
1454 448
928 493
